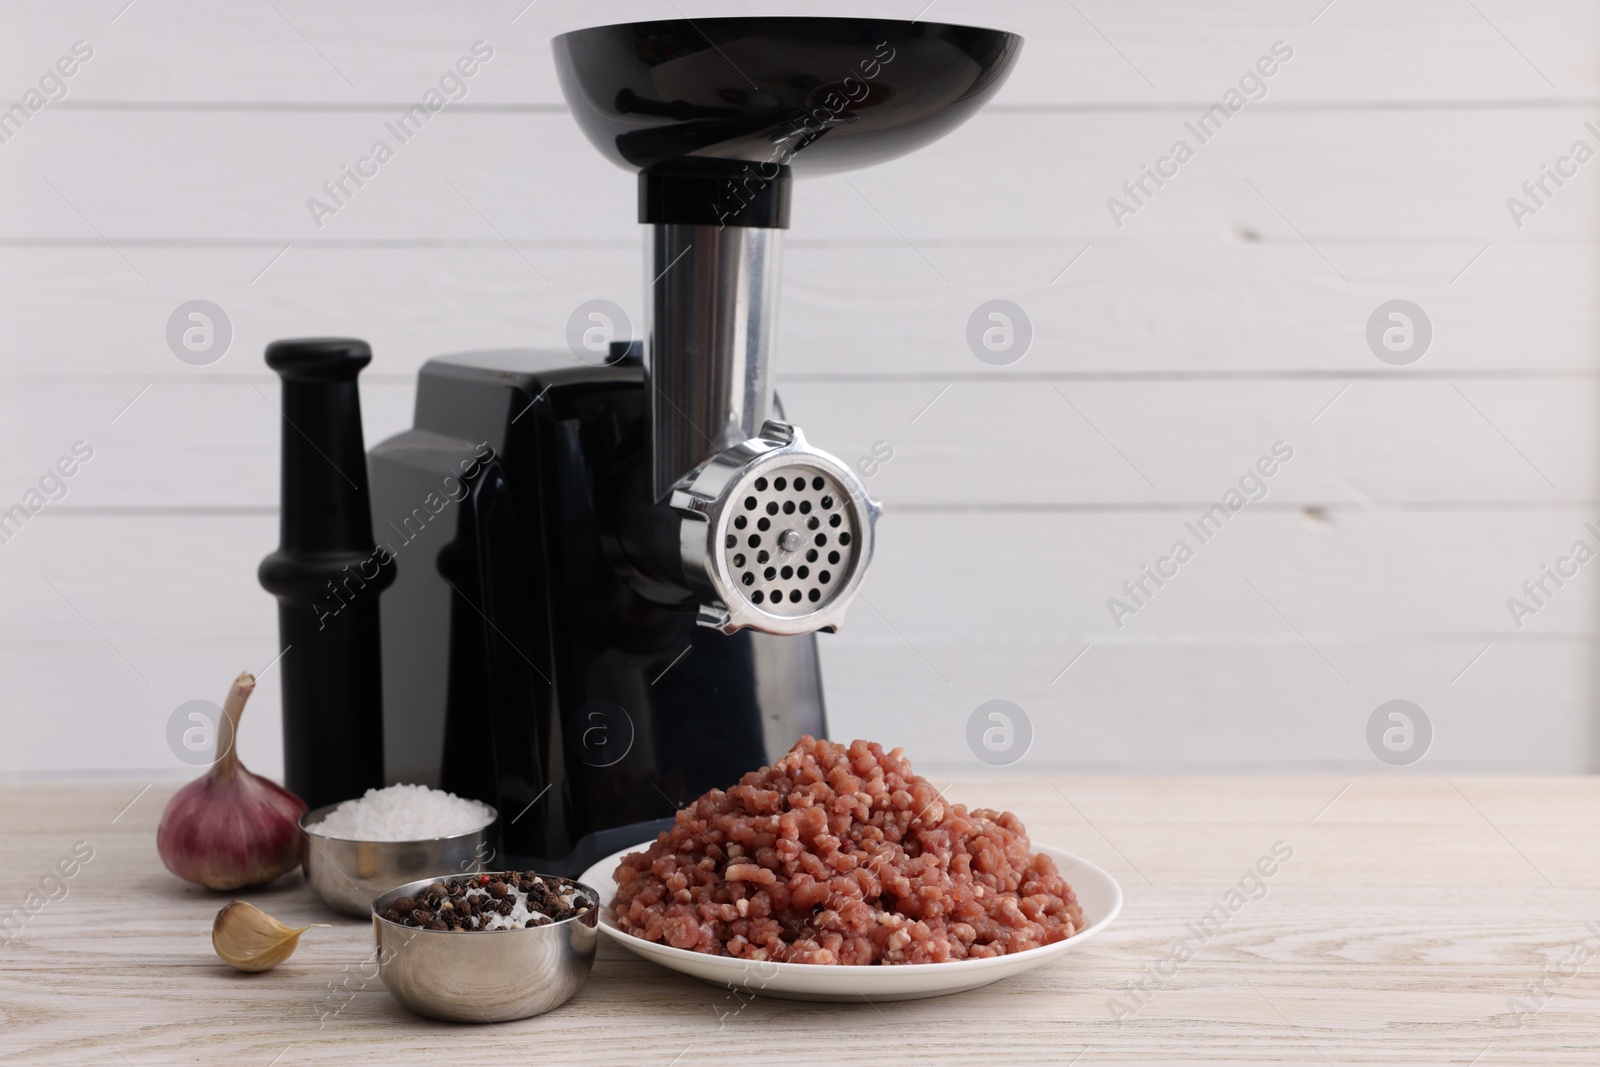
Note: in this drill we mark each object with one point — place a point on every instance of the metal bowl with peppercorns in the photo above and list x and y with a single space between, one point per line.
486 947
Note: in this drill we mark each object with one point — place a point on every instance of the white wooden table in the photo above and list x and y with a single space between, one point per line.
1411 914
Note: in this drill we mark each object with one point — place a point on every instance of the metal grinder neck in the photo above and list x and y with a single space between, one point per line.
712 242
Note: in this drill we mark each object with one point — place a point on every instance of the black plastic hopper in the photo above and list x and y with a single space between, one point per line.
816 94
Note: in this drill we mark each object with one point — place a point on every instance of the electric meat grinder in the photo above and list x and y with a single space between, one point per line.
605 572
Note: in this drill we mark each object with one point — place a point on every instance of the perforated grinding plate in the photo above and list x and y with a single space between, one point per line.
792 540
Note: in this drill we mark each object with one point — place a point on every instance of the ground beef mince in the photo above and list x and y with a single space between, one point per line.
842 855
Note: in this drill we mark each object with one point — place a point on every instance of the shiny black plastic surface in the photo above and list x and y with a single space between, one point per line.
326 576
816 94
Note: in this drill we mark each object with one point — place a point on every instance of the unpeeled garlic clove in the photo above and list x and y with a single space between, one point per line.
248 939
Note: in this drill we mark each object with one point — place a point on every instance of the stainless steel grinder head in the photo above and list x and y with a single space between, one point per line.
776 536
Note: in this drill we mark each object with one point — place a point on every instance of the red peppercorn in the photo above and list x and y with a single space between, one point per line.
484 879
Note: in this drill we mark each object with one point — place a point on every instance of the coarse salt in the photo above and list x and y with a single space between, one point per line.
404 813
520 912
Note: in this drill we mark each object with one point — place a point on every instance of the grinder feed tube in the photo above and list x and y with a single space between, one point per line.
772 534
712 300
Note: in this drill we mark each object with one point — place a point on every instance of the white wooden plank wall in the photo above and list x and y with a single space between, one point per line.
1227 314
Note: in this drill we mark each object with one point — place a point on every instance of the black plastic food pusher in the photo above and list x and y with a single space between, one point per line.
327 575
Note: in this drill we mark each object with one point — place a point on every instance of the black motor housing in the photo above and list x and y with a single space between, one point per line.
530 658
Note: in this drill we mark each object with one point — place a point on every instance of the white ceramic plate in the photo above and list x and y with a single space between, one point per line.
1098 893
